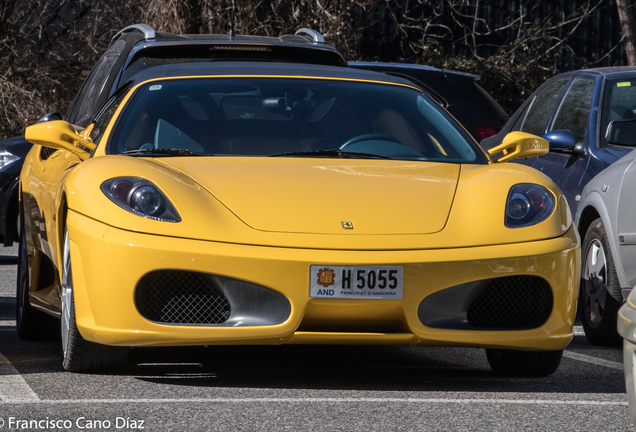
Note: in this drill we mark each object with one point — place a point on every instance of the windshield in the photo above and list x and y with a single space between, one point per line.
288 117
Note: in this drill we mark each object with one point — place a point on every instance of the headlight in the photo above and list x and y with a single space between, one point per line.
6 158
528 204
141 197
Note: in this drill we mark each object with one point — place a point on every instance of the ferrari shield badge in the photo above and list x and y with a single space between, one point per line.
326 277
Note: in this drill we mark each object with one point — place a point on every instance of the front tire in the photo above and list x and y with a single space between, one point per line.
78 354
524 363
598 306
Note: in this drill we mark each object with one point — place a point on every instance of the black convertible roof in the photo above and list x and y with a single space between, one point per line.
263 69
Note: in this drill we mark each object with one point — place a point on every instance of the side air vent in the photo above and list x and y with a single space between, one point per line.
46 152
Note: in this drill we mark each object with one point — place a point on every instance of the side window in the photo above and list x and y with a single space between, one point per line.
619 101
71 115
535 117
574 112
85 104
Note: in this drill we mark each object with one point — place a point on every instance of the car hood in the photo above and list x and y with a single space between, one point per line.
327 196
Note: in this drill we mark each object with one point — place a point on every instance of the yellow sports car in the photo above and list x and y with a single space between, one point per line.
268 203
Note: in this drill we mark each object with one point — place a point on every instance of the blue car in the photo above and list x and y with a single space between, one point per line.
574 111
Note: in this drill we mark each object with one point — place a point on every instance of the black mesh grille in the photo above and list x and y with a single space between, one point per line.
180 297
47 152
512 302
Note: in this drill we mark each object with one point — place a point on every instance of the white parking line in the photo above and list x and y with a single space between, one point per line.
520 401
593 360
13 388
578 330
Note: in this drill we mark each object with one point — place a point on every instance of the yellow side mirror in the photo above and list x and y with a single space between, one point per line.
60 134
517 145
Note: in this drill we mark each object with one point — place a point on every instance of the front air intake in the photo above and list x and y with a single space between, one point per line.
181 297
512 302
505 303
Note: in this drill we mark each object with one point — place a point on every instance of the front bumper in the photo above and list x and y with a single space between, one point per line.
108 264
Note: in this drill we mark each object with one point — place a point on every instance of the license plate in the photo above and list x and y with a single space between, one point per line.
355 282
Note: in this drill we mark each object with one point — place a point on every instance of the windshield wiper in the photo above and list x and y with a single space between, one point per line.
332 152
164 152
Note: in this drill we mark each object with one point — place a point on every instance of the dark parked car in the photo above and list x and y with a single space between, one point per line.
12 153
574 112
139 47
458 92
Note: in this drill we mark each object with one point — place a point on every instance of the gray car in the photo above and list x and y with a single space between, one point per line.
608 271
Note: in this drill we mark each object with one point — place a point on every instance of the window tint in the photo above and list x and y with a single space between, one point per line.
271 116
535 117
91 91
574 112
619 101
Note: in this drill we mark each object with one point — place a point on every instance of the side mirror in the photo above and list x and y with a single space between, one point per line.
59 134
621 133
561 139
566 141
518 145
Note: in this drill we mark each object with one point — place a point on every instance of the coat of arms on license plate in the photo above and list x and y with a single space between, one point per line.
326 277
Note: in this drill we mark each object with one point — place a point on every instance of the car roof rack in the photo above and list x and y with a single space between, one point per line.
147 31
312 35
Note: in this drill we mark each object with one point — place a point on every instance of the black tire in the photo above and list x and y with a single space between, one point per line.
30 323
524 363
78 354
90 357
600 289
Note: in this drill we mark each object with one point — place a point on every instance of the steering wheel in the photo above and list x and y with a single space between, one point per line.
369 137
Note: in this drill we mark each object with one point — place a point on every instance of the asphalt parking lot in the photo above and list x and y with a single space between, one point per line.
313 388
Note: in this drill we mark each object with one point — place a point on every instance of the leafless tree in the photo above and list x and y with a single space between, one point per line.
628 29
48 46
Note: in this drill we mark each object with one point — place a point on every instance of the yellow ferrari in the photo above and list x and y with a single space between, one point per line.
251 203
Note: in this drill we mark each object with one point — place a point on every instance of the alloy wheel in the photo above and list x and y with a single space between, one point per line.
67 295
594 283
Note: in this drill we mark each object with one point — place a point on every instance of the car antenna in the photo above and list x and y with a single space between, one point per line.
231 34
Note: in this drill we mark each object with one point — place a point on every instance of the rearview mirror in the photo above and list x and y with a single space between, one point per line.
59 134
621 132
518 145
288 105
